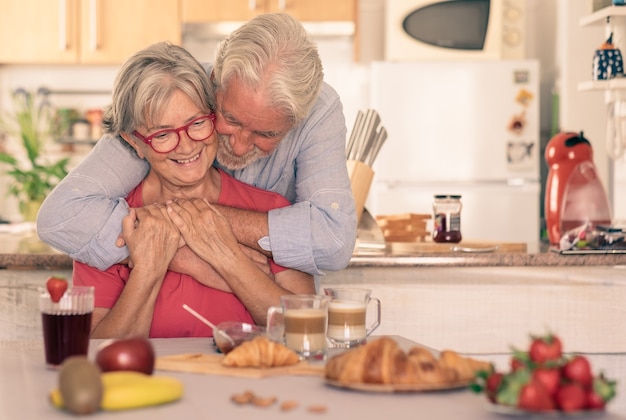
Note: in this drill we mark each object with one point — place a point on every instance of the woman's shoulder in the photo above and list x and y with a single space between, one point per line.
235 193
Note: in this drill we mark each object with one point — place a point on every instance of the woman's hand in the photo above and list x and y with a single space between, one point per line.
151 236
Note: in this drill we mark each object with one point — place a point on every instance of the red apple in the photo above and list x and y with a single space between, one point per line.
135 354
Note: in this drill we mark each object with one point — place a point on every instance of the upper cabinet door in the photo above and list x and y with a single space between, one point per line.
113 30
315 10
40 32
200 11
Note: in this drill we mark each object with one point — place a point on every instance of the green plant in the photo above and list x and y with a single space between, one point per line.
33 121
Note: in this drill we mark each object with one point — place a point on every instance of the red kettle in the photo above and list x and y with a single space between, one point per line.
574 192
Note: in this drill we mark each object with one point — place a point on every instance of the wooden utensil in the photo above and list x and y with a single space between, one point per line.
211 364
210 324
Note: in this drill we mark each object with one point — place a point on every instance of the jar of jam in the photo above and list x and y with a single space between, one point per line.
447 218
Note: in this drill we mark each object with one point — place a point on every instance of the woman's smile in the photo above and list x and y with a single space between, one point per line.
189 161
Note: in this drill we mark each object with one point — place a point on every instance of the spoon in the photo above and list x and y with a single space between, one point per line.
209 323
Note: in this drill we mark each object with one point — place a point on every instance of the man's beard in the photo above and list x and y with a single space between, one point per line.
228 159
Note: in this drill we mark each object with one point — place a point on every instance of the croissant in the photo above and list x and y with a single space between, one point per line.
429 370
260 352
378 362
465 366
382 362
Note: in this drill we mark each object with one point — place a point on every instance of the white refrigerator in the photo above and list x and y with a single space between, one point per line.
469 128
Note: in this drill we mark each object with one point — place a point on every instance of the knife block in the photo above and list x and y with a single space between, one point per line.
361 177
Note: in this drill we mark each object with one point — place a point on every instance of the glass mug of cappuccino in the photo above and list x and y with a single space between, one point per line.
347 316
302 325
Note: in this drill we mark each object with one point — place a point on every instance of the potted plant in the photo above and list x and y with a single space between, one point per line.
32 120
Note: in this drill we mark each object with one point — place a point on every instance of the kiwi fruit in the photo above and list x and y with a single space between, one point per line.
80 385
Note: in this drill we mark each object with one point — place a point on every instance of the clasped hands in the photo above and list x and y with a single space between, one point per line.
181 232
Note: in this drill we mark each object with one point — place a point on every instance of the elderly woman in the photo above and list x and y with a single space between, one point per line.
162 108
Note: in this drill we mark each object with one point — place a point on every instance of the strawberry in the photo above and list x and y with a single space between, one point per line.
494 380
56 287
578 369
487 381
519 359
571 397
535 397
544 349
595 401
550 377
603 391
516 363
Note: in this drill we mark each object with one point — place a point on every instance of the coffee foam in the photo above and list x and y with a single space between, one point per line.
346 305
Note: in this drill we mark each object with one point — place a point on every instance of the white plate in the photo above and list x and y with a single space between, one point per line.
399 387
516 412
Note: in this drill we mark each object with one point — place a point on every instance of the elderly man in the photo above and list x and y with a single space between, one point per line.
280 128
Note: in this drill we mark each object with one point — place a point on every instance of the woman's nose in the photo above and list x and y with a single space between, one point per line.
184 141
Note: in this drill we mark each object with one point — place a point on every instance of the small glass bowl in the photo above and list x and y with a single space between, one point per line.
238 331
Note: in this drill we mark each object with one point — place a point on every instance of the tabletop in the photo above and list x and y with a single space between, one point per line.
25 383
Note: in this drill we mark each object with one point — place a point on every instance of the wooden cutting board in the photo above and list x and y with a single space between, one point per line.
464 247
211 364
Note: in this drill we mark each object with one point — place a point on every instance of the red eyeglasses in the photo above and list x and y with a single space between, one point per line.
164 141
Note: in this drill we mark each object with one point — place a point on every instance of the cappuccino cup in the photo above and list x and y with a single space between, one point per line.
302 326
347 316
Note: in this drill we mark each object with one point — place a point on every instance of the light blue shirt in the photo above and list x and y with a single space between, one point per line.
83 215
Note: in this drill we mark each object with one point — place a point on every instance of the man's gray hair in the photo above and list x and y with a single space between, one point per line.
273 49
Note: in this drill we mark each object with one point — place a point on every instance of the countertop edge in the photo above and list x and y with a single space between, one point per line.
61 261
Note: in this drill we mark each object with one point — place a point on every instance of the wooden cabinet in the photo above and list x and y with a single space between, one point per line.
84 31
199 11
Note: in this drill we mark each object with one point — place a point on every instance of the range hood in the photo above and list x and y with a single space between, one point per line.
219 30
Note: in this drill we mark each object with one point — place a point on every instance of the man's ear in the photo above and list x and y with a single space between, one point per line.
130 139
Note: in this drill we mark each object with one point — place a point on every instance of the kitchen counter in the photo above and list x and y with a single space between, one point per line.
543 258
22 249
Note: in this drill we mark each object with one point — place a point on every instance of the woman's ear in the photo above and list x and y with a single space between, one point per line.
130 139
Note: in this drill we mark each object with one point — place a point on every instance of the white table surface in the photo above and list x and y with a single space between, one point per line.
25 383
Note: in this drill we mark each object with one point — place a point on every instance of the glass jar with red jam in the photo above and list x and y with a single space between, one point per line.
447 218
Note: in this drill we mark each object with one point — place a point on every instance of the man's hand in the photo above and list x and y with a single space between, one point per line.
187 262
259 259
205 230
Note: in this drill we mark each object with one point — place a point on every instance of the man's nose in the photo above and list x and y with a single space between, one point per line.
241 142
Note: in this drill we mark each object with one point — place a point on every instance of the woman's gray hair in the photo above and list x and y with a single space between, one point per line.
146 82
274 47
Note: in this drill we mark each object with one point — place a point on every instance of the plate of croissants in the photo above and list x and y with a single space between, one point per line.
382 366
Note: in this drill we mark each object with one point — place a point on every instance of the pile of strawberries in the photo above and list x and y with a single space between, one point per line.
546 379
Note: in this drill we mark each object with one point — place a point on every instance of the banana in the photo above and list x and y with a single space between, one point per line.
56 399
125 390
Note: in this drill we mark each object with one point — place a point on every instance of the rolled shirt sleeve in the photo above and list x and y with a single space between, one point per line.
83 215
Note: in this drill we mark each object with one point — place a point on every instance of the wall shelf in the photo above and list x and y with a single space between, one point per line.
617 13
611 84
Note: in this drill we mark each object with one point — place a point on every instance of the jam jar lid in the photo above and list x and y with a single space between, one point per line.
453 196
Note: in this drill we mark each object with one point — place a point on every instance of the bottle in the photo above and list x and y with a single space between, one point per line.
447 218
575 195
